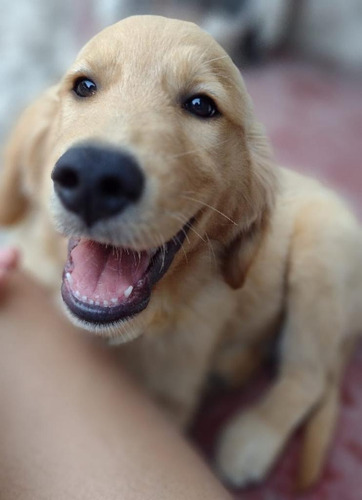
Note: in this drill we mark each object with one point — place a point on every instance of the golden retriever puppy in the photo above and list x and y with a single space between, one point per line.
185 238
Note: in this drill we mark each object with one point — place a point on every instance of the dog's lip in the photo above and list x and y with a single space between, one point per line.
100 315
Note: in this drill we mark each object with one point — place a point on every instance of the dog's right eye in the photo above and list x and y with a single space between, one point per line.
202 106
84 87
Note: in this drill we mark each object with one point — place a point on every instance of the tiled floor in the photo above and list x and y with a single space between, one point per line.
314 119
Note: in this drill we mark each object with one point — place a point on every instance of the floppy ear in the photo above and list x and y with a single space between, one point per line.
257 207
25 154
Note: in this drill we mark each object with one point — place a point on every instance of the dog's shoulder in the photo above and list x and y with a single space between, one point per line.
297 191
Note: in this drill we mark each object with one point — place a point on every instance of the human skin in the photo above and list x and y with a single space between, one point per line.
72 425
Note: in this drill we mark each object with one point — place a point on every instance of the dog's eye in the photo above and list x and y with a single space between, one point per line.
202 106
84 87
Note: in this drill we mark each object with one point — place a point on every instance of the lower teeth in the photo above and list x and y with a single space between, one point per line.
106 303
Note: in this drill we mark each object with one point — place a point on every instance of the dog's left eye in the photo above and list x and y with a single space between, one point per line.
202 106
84 87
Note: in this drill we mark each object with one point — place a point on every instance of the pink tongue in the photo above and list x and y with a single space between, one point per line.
103 273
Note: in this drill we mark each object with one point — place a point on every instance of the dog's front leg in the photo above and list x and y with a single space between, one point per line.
253 440
310 351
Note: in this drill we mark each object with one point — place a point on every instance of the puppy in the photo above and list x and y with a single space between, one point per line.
184 235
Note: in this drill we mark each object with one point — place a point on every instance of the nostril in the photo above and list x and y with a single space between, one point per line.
110 186
67 178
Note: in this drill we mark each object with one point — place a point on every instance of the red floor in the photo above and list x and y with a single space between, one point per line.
314 120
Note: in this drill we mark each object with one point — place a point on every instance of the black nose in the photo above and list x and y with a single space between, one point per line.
95 182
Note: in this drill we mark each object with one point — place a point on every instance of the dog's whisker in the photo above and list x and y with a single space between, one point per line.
211 250
184 220
158 238
177 241
147 234
163 253
197 234
211 207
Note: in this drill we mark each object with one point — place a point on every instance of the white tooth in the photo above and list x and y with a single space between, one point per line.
114 300
128 292
91 301
77 293
105 303
69 277
84 298
97 303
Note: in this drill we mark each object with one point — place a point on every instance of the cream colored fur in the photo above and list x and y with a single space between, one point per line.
270 251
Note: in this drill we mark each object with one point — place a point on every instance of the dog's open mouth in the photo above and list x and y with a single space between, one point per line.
105 284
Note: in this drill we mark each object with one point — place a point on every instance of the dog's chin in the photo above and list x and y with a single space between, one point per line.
106 287
116 333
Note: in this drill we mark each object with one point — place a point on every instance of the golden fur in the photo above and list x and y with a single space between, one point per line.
270 250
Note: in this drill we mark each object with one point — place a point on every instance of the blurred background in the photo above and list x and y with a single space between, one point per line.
302 62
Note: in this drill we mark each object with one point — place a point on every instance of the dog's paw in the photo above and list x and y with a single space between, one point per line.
247 449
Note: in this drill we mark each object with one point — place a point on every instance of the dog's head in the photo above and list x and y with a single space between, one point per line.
147 145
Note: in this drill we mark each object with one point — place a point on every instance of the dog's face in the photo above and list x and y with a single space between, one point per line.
150 146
